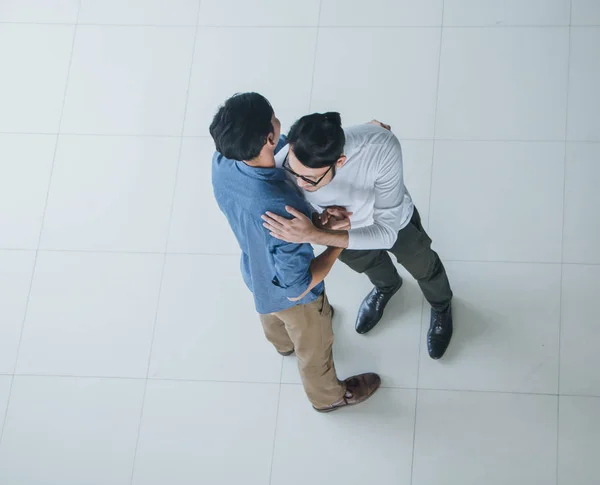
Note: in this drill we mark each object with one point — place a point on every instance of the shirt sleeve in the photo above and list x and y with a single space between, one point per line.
292 268
388 210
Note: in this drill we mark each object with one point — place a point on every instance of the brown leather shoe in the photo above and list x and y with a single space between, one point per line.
358 389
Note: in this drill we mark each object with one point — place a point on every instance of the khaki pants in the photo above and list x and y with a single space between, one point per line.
307 330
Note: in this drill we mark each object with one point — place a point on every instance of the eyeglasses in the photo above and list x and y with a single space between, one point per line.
314 183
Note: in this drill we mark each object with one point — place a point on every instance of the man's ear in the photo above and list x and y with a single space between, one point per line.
341 161
271 141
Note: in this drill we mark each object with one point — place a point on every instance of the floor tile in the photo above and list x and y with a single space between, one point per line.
396 81
90 314
39 11
16 269
260 13
391 349
139 12
207 327
372 439
417 158
25 166
584 78
128 80
111 193
381 13
198 225
498 201
83 431
579 440
502 13
207 93
580 339
503 84
585 12
111 177
464 438
206 432
32 92
5 382
582 203
506 327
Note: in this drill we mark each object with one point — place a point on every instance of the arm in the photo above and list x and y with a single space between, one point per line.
297 271
320 268
300 229
328 237
325 233
388 208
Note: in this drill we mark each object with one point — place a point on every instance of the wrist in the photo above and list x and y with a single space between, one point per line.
316 235
328 237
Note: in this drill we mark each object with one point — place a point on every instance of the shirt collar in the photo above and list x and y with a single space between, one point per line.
262 173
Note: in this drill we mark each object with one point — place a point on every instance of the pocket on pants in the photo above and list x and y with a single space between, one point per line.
323 307
411 240
326 324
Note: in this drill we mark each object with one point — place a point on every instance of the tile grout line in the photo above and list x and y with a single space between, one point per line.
307 26
37 250
562 244
276 420
412 460
312 83
314 67
402 139
423 301
165 254
265 383
225 255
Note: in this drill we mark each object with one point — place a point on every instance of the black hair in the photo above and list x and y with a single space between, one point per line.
241 126
318 139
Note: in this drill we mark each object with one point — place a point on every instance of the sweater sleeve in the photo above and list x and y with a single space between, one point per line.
388 210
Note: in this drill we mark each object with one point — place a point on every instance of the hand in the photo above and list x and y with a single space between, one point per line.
299 229
379 123
339 224
336 218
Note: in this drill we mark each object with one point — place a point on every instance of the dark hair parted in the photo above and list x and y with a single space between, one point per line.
318 139
241 126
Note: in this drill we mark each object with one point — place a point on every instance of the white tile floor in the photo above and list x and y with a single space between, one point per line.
129 349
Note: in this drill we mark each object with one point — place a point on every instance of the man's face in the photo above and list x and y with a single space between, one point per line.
312 179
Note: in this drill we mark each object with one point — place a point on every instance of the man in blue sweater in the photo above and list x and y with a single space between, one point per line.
285 278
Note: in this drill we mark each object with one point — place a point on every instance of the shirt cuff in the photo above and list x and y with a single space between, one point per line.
295 289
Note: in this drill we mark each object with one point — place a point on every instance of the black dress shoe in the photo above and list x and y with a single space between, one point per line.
371 309
440 332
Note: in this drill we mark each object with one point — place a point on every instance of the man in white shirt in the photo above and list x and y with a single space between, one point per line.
353 179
